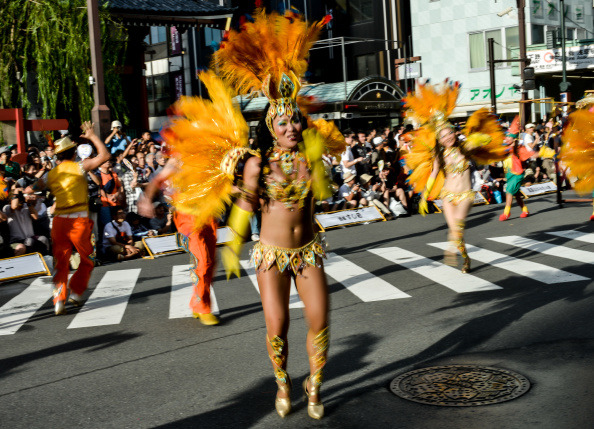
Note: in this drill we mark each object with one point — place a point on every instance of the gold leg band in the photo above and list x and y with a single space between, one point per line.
320 345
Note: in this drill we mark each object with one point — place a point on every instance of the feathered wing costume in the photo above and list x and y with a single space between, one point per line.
430 106
577 151
208 137
269 54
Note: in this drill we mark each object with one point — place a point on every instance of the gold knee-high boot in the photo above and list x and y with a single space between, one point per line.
450 257
461 244
318 359
283 381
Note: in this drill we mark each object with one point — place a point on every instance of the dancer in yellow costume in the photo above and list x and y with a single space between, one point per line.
441 163
577 151
282 177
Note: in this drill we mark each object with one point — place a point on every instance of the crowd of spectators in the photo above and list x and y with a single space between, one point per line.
114 188
371 171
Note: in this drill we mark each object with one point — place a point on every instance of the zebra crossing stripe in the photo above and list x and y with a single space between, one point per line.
181 293
574 235
107 303
19 309
361 283
539 272
449 277
547 249
294 300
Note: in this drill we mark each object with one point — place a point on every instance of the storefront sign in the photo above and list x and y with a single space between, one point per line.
348 217
23 266
175 46
178 84
550 60
409 71
538 189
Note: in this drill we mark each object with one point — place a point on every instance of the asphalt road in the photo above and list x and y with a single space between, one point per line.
394 309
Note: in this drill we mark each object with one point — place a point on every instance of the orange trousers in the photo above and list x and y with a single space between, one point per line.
66 233
201 244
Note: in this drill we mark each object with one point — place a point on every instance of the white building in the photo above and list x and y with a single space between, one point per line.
451 38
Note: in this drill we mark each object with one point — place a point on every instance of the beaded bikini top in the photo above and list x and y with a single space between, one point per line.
459 163
288 191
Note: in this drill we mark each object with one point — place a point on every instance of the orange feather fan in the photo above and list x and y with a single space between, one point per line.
333 138
204 136
271 45
577 152
431 103
484 125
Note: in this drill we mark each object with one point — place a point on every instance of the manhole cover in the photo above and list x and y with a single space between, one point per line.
460 385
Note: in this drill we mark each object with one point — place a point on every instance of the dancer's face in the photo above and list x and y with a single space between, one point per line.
288 130
447 137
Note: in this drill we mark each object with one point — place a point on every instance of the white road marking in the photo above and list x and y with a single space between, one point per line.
539 272
547 248
107 303
361 283
574 235
19 309
449 277
181 293
294 300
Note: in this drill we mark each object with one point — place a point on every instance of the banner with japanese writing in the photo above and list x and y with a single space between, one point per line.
348 217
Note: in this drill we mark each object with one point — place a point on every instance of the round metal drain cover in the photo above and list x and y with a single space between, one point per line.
460 385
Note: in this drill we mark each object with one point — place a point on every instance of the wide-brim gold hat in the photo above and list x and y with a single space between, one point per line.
64 144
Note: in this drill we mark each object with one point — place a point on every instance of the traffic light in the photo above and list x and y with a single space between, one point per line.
564 86
529 81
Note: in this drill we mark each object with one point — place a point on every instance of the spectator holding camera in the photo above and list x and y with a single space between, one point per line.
12 169
118 243
350 191
162 222
117 140
21 212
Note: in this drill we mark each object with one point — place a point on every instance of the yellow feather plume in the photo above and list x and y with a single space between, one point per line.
203 135
577 151
333 138
484 138
420 160
432 103
271 45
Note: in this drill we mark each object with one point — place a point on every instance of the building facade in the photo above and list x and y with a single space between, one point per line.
451 37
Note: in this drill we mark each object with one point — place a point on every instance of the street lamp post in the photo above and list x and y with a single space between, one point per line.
100 113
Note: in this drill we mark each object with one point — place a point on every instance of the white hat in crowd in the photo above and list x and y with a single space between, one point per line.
116 124
531 125
377 140
348 177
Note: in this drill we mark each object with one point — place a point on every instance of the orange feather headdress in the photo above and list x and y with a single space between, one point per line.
269 55
430 106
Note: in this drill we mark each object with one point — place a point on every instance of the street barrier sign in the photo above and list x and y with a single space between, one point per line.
348 217
161 245
538 189
31 264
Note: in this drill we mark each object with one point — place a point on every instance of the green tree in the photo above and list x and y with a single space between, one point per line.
50 39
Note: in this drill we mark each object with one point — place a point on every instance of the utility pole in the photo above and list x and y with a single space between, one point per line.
564 85
100 113
492 75
522 36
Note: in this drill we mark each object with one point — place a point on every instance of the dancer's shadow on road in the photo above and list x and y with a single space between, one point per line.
250 407
8 365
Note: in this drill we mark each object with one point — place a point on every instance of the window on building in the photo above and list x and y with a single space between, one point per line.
158 94
512 43
581 34
158 35
366 65
505 40
361 10
212 36
538 34
478 59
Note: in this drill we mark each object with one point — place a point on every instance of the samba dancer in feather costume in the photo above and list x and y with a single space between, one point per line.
282 177
441 164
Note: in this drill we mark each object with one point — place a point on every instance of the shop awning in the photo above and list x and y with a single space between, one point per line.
178 13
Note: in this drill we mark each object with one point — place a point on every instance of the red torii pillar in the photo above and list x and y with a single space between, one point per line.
23 125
